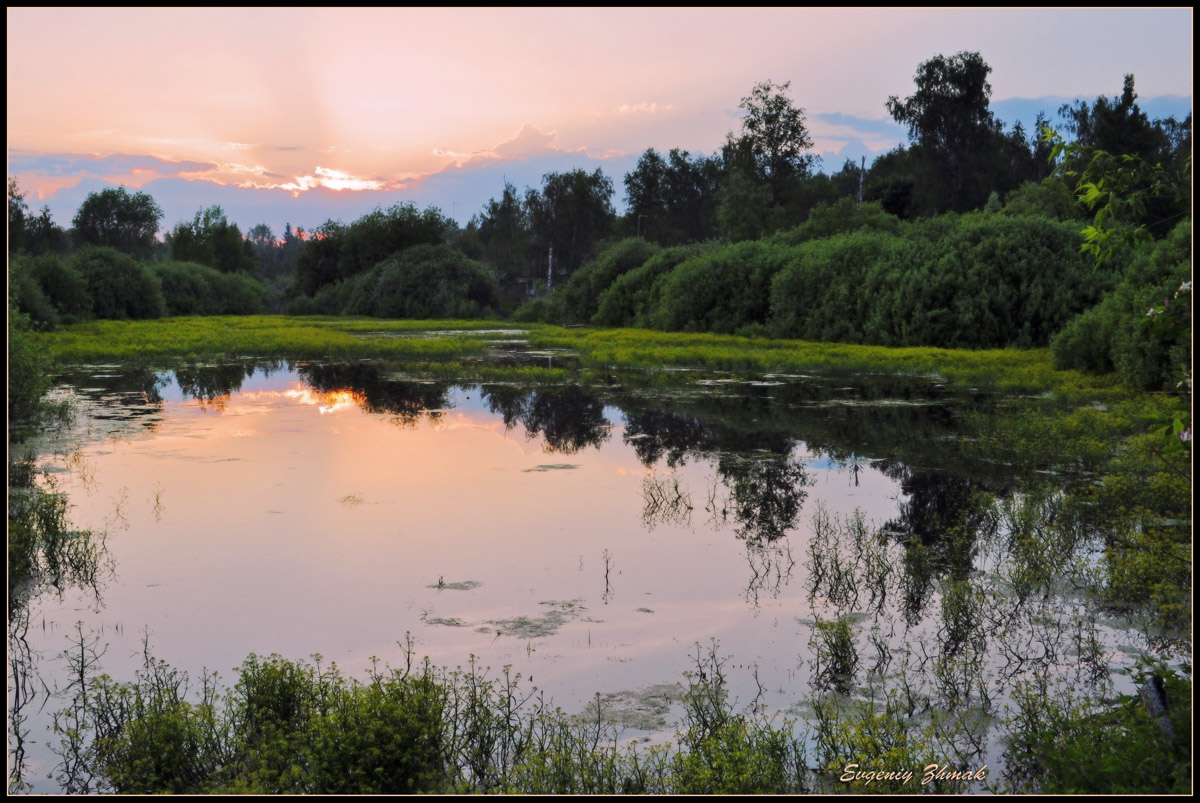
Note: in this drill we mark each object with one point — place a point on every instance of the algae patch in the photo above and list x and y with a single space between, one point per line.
548 623
644 709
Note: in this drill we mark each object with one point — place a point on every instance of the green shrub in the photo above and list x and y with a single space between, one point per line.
720 290
25 294
61 284
841 217
627 300
424 281
581 294
820 294
1146 350
120 286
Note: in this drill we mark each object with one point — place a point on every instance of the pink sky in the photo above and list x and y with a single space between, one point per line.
382 100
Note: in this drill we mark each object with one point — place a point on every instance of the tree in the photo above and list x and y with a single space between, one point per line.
1115 125
115 218
949 122
504 231
673 200
32 234
18 213
774 137
210 239
570 215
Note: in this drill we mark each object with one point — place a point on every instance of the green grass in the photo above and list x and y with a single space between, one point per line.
599 349
1007 369
259 336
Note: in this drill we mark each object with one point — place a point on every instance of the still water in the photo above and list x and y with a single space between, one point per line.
593 538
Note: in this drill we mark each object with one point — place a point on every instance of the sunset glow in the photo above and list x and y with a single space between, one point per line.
327 402
243 108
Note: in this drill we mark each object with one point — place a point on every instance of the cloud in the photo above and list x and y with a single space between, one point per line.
84 164
649 108
529 141
868 127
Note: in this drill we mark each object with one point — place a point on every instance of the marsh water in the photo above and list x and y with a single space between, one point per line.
596 537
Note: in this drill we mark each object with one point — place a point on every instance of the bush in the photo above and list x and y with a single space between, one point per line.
986 281
120 286
842 217
720 290
425 281
821 294
25 294
627 300
581 294
1145 350
62 294
28 372
193 289
1051 198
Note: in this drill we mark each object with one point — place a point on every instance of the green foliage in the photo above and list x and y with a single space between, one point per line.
120 286
950 123
28 371
1050 198
627 301
1063 743
424 281
820 294
211 240
773 145
25 295
570 215
841 217
720 290
672 200
334 251
296 728
284 728
1122 333
29 233
973 281
744 207
192 289
117 219
64 287
580 295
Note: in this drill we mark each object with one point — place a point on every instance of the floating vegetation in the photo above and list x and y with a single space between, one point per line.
547 624
644 709
464 585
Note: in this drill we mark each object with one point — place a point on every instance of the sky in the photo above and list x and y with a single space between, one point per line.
303 115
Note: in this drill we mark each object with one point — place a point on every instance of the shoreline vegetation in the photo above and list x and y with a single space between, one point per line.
324 337
448 731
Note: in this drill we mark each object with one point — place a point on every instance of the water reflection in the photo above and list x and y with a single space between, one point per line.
569 419
45 556
369 386
705 517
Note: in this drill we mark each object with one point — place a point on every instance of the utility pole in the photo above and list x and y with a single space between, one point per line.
862 174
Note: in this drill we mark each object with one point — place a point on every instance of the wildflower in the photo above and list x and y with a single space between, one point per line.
1186 287
1186 435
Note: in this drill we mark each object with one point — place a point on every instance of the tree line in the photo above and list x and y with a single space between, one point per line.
864 254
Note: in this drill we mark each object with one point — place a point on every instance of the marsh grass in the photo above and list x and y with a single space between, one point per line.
299 727
598 349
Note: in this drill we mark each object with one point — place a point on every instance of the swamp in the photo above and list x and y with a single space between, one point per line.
702 566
